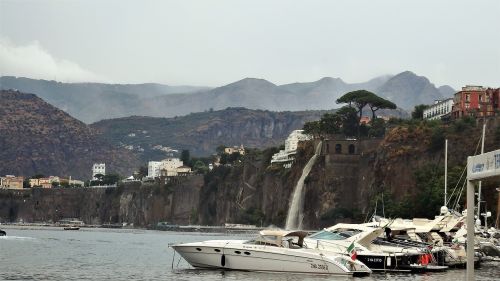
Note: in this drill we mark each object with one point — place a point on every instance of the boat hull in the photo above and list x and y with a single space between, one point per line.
260 258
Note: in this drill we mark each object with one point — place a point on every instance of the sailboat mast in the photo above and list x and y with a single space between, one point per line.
445 171
479 189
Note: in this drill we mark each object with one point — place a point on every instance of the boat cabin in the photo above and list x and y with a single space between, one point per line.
280 238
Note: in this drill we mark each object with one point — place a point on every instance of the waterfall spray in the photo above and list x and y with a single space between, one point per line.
296 210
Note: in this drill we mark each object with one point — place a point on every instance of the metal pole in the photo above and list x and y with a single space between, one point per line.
445 171
497 223
479 187
470 231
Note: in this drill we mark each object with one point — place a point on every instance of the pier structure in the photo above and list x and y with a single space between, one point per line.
481 167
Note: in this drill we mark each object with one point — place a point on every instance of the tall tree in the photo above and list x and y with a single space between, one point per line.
418 112
375 103
312 128
359 99
186 157
349 120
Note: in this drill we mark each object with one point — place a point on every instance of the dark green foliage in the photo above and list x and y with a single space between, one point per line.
267 154
230 158
362 98
377 128
109 179
336 213
426 200
193 217
386 205
312 128
463 124
200 167
375 103
251 216
430 191
220 149
349 120
343 121
143 172
330 123
186 157
418 111
437 139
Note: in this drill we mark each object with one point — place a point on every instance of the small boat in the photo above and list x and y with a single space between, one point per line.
71 228
3 233
271 251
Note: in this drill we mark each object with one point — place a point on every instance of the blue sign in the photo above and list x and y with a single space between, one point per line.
478 168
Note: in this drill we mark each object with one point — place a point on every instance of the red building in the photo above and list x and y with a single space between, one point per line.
476 101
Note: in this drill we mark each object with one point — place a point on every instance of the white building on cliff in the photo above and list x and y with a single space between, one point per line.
169 167
439 109
287 155
98 168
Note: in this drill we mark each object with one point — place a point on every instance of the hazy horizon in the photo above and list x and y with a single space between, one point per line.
218 42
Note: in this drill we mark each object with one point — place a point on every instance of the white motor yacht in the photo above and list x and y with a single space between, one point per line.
271 251
370 250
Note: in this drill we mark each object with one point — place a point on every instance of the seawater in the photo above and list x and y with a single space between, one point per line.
119 254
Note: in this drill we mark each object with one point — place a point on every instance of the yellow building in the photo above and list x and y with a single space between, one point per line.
235 149
11 182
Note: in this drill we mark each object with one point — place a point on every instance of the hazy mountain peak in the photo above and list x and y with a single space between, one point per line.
447 91
330 79
407 89
92 101
409 75
248 82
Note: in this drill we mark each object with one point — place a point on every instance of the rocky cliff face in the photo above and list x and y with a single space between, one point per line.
202 132
344 183
259 193
37 138
131 203
342 186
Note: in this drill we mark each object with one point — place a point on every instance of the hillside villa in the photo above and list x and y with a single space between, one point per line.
287 156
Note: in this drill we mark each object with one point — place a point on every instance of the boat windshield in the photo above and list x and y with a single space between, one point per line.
292 242
339 234
272 240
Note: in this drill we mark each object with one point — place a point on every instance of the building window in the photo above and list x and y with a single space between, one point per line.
467 98
338 148
351 149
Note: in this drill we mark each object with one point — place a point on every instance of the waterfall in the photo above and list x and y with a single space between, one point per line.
296 210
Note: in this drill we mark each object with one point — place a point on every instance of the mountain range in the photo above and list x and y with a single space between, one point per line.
38 138
201 133
91 102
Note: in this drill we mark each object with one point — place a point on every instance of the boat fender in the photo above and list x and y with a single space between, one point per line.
223 260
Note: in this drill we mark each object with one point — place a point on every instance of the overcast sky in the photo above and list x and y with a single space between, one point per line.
213 43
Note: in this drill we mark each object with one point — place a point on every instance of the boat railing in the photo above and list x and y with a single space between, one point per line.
328 245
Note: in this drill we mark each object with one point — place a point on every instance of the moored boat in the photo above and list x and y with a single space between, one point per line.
71 228
372 251
271 251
